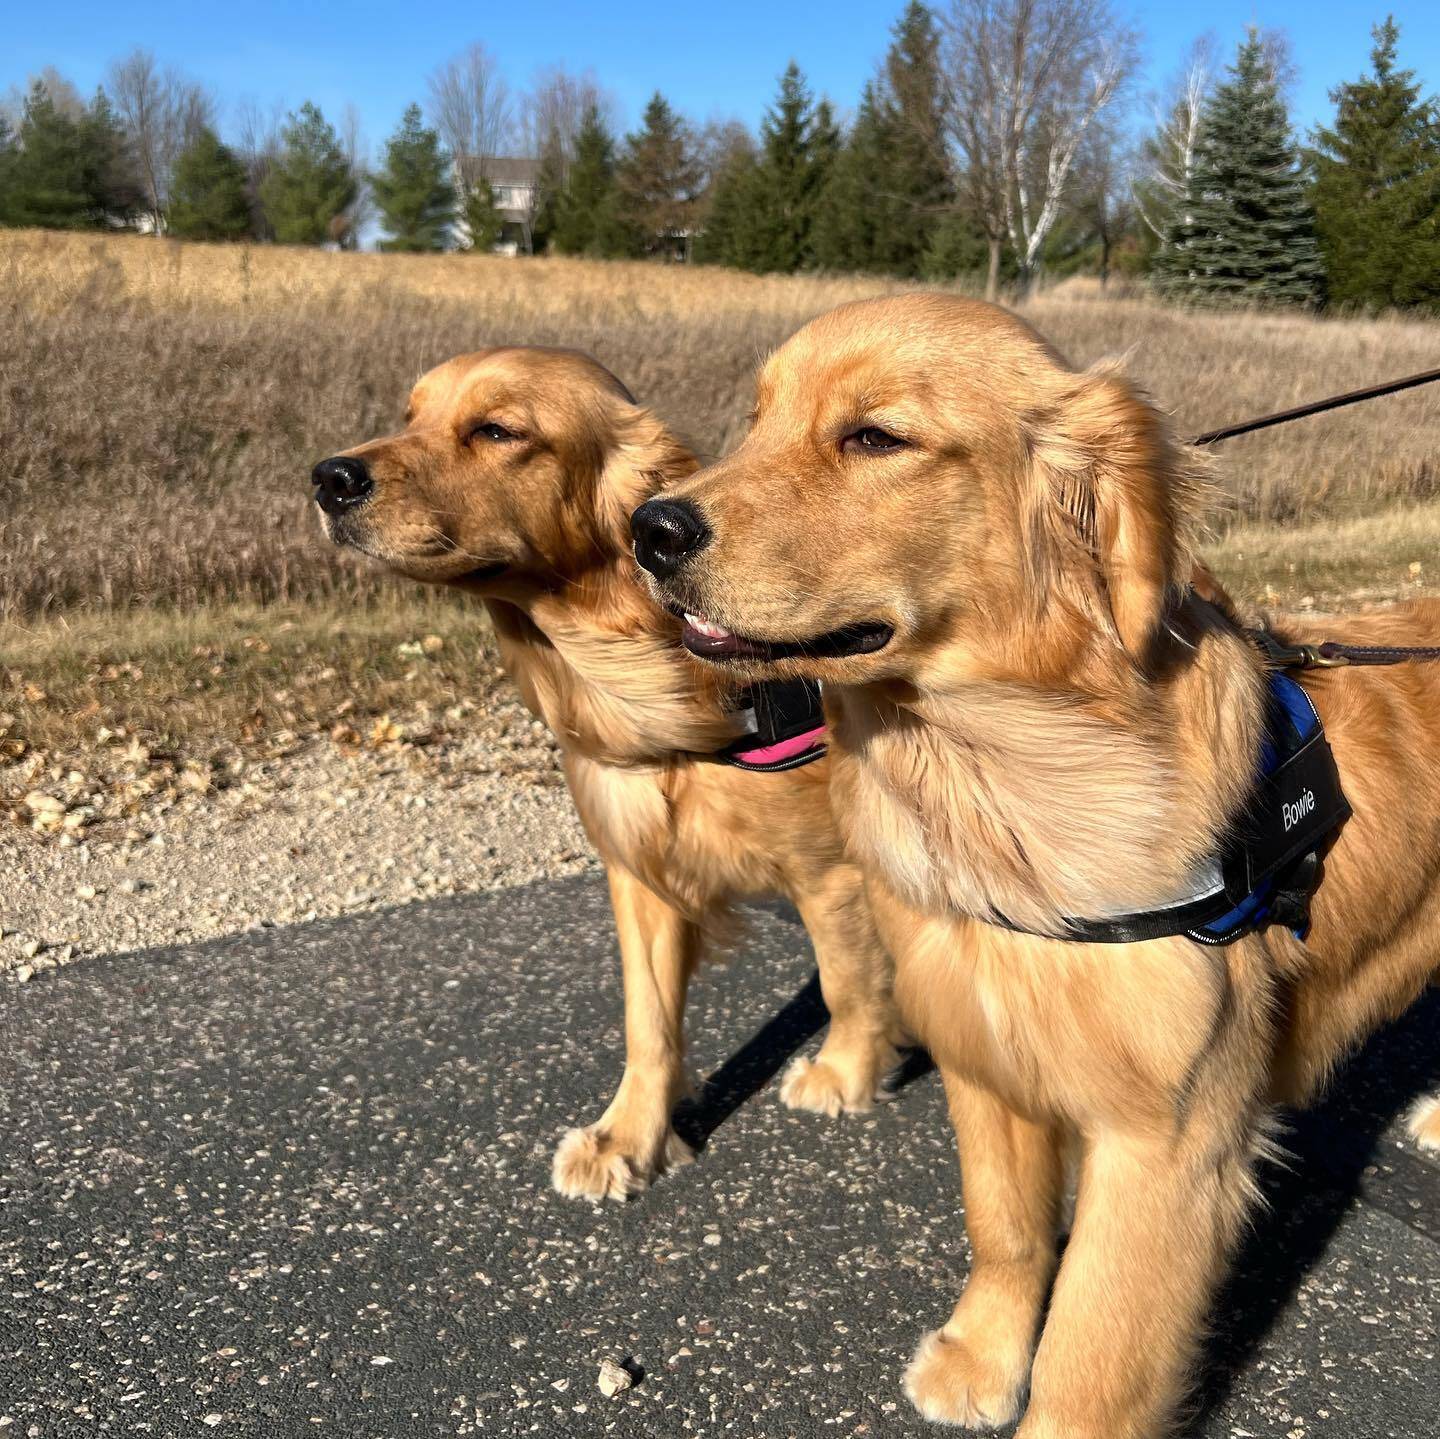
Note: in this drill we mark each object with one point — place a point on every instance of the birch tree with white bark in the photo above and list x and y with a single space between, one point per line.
1169 154
1025 81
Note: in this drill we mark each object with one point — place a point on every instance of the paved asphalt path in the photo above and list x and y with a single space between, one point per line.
297 1182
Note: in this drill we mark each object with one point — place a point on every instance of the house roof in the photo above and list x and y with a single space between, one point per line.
511 170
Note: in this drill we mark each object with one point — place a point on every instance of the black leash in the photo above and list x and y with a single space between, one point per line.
1331 654
1316 407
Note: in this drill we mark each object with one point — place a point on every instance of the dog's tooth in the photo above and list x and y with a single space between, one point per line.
706 628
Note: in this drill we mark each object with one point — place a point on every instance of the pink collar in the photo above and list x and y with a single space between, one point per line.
786 727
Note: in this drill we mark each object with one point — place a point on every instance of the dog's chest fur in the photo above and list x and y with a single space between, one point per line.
1017 805
635 726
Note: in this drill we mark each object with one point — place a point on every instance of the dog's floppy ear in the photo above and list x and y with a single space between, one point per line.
1124 497
645 459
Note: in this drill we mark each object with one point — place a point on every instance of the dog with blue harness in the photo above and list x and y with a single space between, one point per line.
1133 898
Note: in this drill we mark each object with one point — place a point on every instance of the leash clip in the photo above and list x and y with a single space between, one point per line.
1315 658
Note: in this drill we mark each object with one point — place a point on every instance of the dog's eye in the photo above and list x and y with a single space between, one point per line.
872 440
489 430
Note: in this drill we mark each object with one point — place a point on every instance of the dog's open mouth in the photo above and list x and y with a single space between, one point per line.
709 641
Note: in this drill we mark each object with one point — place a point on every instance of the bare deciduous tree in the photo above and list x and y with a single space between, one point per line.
1026 79
470 107
1104 203
161 111
551 114
554 108
257 137
357 217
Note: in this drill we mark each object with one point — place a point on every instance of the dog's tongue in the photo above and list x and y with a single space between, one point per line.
701 637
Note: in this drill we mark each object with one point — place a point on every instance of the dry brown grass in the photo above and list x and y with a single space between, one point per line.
161 404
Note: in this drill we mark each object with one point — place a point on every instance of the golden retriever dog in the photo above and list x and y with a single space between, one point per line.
985 557
514 478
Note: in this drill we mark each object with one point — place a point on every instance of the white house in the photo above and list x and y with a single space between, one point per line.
514 183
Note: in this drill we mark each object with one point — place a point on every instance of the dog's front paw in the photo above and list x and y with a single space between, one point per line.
845 1077
950 1382
595 1163
825 1088
1423 1122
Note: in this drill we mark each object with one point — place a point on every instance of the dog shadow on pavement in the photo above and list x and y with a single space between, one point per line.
1333 1157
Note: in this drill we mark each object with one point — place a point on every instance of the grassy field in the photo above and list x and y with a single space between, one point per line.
161 406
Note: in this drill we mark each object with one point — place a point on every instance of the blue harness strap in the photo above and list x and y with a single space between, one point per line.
1298 806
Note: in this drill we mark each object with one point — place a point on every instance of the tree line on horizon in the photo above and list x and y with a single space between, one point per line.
989 145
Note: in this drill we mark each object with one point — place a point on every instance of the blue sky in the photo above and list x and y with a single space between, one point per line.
712 61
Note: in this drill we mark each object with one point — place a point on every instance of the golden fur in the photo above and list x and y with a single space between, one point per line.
1058 726
548 495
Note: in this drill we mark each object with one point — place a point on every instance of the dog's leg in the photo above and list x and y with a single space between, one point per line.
1156 1218
974 1371
856 979
633 1141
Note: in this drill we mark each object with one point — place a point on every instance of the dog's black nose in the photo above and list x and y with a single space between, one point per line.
666 534
341 483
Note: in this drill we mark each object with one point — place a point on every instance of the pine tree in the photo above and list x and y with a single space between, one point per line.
916 189
827 143
958 246
55 168
549 190
797 151
7 159
848 231
209 199
728 233
413 190
1377 187
658 183
1245 232
484 223
586 222
890 187
119 194
310 183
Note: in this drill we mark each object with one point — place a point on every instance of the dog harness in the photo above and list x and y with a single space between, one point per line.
1269 866
784 727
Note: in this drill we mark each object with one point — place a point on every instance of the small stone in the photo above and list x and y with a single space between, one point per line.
711 1239
614 1378
24 972
86 891
381 1359
212 1419
32 947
